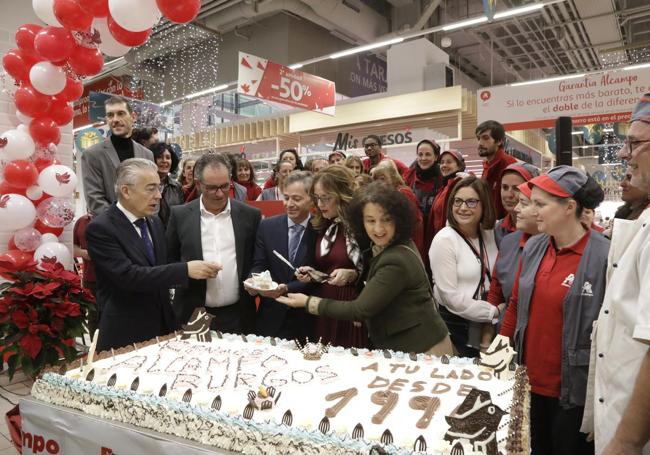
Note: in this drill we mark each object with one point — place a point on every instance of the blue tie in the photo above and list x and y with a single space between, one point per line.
294 240
146 240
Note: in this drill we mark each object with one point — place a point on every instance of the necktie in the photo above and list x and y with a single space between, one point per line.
294 240
146 240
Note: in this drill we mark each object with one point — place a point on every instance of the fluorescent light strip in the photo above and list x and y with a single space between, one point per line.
576 132
296 66
368 47
636 67
550 79
207 91
165 103
463 24
519 11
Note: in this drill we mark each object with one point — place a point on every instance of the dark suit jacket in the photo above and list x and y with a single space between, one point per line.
133 293
273 234
184 244
99 172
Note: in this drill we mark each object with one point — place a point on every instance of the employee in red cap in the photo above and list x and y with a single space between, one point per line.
506 267
491 138
622 340
554 302
511 177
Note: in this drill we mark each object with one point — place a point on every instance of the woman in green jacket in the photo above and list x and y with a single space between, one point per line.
396 303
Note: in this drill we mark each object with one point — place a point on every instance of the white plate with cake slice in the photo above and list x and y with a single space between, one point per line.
261 285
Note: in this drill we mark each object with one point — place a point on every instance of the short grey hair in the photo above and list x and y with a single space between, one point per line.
128 170
304 177
211 159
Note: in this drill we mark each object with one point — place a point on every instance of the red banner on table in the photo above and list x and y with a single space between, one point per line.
271 81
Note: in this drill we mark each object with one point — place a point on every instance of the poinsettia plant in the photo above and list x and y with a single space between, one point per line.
43 308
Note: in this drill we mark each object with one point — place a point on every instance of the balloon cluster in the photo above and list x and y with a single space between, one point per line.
47 66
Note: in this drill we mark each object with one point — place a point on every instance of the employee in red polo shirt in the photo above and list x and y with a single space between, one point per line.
556 298
491 138
372 147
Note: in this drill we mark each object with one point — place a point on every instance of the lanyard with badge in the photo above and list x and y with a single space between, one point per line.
481 255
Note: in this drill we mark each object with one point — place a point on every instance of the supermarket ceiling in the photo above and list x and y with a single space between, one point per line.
564 37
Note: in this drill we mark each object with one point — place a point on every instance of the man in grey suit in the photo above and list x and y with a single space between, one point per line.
218 229
99 163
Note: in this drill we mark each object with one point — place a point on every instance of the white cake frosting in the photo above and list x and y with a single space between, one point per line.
206 396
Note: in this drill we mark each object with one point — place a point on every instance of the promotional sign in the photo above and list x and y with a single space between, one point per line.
271 81
361 75
607 97
114 85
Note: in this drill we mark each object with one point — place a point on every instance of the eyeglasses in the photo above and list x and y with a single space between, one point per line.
470 203
214 188
629 146
370 145
322 199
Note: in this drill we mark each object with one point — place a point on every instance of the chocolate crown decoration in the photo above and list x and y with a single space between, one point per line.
476 420
198 325
312 351
265 398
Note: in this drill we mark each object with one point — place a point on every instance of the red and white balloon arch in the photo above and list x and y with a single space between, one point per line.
48 67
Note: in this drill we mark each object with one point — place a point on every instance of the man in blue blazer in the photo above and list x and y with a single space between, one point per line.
292 236
127 247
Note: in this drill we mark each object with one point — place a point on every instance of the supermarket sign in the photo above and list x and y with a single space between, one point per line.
607 97
271 81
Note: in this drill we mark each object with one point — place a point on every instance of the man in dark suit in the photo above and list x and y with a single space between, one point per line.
99 163
216 228
127 247
293 237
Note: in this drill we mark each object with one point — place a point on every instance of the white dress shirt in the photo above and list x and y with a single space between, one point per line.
131 217
622 334
218 244
457 271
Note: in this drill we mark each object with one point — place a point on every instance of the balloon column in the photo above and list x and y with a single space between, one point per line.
48 66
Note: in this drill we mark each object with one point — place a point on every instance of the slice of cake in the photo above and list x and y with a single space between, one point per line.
259 395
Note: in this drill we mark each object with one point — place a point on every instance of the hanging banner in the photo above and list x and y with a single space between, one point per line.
607 97
271 81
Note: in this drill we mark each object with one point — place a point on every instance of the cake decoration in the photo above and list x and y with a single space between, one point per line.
216 403
357 432
199 326
287 418
324 425
427 404
386 437
112 380
499 355
187 396
444 359
264 398
477 420
345 396
420 444
457 449
249 411
91 375
163 390
312 351
387 400
135 384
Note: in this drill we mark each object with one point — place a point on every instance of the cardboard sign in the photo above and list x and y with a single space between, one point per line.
271 81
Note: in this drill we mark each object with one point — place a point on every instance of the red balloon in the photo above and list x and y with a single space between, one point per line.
54 44
17 63
45 229
60 111
73 90
180 11
11 245
44 131
16 259
30 102
126 37
72 16
98 8
25 37
42 163
86 61
5 188
21 173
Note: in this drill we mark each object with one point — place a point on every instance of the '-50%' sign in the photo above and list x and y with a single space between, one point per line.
271 81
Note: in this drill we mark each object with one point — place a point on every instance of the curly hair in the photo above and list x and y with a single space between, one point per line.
339 182
158 148
299 165
393 203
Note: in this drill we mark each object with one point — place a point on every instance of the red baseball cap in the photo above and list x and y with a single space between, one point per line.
525 189
562 181
525 170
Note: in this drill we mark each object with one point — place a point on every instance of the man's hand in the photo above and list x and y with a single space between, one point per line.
202 270
275 293
302 274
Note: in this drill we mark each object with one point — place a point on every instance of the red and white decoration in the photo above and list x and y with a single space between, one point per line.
271 81
48 66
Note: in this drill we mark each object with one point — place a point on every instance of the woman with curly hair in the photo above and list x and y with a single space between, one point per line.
172 193
396 301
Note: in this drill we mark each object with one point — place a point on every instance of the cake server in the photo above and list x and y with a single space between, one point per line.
315 275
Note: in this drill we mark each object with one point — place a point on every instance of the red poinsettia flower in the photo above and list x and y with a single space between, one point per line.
68 341
20 319
57 324
36 328
31 345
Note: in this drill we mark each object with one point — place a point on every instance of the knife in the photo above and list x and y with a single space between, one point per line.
317 276
283 259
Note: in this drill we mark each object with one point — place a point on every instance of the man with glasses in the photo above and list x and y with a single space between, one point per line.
372 147
620 351
127 246
215 228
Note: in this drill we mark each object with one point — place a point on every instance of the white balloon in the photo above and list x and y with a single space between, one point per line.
134 16
48 237
44 9
24 119
47 78
57 180
34 192
16 211
54 252
108 44
20 145
23 127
